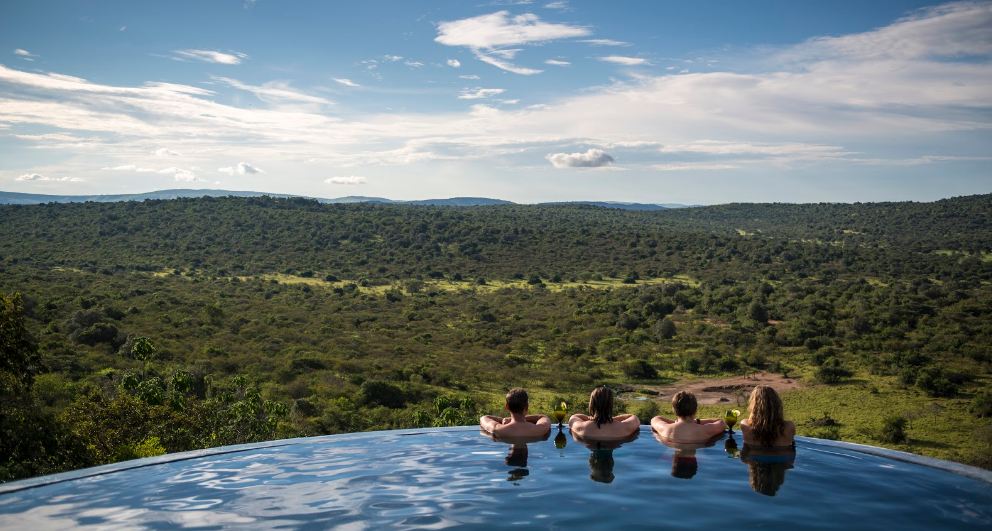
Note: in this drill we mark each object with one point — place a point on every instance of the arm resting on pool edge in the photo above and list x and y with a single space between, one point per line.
541 420
489 422
578 417
661 424
629 420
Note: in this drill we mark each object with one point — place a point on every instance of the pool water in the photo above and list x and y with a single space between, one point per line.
458 477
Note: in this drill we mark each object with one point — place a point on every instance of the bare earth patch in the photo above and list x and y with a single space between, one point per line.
733 390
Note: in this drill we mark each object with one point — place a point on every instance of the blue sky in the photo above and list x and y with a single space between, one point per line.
529 101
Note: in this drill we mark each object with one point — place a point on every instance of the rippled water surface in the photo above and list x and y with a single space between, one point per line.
433 479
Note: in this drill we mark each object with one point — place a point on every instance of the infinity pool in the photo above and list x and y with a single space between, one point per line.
457 477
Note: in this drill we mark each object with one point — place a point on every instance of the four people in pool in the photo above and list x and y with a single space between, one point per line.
768 438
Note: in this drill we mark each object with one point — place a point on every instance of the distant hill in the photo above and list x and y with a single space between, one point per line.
620 205
15 198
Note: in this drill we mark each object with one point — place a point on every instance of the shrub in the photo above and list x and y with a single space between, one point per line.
831 372
647 410
935 382
379 393
665 329
981 405
639 369
893 429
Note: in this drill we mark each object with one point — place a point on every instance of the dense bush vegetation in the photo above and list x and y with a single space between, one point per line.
142 328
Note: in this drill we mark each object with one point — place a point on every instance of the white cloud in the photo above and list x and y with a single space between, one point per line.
558 4
469 76
392 58
605 42
828 93
211 56
242 168
166 152
350 180
694 166
593 158
557 62
486 35
24 54
413 64
624 60
454 63
184 176
346 82
276 92
38 177
494 58
479 93
718 147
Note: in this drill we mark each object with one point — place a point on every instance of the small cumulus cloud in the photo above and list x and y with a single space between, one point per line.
39 177
346 82
392 58
347 180
469 76
454 63
624 60
593 158
211 56
242 168
559 4
166 152
24 54
480 93
184 176
413 64
557 62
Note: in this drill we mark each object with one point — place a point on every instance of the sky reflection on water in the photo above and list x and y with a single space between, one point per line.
461 478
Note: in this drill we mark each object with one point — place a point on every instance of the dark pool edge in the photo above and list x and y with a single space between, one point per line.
84 473
960 469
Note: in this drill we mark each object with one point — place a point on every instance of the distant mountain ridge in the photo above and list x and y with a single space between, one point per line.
17 198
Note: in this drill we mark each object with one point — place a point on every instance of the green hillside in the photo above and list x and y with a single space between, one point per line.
144 327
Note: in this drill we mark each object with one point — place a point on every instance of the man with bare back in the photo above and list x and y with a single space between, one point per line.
519 424
686 428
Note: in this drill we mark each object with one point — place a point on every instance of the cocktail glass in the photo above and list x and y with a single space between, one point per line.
560 412
730 417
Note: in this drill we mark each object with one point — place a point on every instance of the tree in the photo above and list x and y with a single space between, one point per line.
665 329
758 312
18 352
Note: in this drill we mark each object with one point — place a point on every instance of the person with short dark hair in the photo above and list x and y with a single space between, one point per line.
519 424
600 424
686 428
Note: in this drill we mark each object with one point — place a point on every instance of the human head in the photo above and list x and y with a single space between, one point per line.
517 401
601 405
766 416
684 404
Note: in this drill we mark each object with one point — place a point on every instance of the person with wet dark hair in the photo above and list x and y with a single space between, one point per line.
600 424
519 424
686 428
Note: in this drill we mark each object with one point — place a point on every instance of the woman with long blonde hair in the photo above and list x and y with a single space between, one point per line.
766 424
